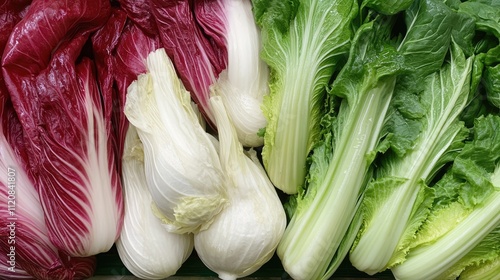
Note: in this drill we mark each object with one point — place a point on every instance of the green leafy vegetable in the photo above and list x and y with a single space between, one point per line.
492 84
481 260
303 42
387 7
341 159
395 203
465 210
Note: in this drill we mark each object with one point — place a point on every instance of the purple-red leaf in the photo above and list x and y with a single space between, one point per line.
11 12
139 11
130 61
55 94
104 42
195 57
25 246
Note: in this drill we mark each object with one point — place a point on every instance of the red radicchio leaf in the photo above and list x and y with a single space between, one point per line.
23 234
6 273
11 12
139 11
195 58
210 15
130 61
104 42
60 109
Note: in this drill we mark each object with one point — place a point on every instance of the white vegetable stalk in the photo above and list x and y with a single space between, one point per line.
431 261
380 240
316 230
244 83
246 233
145 247
182 167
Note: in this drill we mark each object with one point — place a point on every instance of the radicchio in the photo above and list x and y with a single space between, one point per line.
139 11
23 234
129 61
11 12
57 100
196 58
120 49
104 42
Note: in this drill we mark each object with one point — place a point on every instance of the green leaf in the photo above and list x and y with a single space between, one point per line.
303 42
465 211
429 24
389 7
486 15
398 204
491 82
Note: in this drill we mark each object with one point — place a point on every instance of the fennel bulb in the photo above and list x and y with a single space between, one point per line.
245 234
182 167
145 247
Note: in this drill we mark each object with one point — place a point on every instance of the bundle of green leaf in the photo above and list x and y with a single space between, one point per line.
303 41
183 172
340 164
358 100
423 133
464 212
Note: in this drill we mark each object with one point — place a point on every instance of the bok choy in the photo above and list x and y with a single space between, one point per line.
394 205
358 102
426 133
303 42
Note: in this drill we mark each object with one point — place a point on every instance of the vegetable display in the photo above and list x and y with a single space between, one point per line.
301 139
